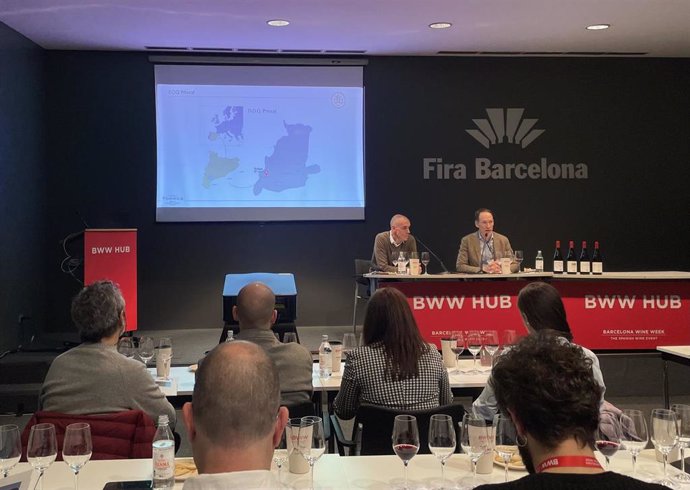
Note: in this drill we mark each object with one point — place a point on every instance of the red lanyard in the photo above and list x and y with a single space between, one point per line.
569 462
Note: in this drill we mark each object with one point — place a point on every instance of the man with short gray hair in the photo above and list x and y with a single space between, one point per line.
389 244
235 419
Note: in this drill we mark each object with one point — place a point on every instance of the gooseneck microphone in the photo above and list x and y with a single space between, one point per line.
445 269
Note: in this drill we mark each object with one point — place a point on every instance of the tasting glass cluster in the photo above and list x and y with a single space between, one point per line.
584 263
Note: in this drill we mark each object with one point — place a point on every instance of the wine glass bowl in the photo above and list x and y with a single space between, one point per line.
125 346
457 345
77 448
41 450
664 436
491 343
405 439
608 438
146 349
473 340
349 343
506 439
10 448
424 259
634 434
441 439
474 440
519 257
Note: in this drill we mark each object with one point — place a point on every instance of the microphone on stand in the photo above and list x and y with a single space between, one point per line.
445 269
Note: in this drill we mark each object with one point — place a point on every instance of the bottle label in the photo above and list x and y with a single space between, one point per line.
325 361
164 462
584 267
572 267
597 268
558 266
539 265
402 268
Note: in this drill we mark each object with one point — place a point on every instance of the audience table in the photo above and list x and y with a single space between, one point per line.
675 353
335 472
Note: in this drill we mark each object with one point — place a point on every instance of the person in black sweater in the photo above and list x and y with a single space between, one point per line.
547 387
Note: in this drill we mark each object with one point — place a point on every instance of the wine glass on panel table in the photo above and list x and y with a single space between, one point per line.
474 440
77 448
10 448
41 450
664 437
405 439
146 347
506 439
634 434
519 257
457 345
608 437
311 443
424 259
683 416
491 343
125 346
441 439
473 339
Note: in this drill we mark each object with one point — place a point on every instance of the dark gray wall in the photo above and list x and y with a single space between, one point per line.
626 119
23 184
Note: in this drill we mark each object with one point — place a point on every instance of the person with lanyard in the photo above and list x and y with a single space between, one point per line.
547 388
480 251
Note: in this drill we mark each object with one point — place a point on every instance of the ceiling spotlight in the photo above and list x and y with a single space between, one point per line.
598 27
278 23
440 25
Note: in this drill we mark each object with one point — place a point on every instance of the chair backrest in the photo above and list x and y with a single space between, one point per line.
120 435
362 266
375 425
300 410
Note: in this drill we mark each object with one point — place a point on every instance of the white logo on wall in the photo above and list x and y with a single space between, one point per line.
505 126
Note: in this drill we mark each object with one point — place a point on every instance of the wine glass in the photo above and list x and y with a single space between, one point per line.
457 345
42 449
10 448
281 453
664 436
474 345
425 260
441 439
405 439
164 357
146 349
77 448
608 440
683 416
349 343
634 434
311 443
506 439
519 257
125 347
474 440
394 261
491 343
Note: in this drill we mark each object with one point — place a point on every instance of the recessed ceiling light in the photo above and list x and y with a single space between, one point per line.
278 23
598 27
440 25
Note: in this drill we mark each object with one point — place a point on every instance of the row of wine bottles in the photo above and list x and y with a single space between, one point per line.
572 264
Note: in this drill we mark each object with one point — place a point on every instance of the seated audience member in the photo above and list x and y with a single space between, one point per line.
235 419
389 244
394 368
547 387
94 377
255 312
541 308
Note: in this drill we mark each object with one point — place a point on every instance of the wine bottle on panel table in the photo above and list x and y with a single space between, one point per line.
585 266
570 259
597 263
557 259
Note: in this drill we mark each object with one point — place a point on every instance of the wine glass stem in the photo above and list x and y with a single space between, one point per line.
443 479
607 463
665 461
76 480
312 475
474 362
39 482
474 472
634 460
506 469
405 472
682 457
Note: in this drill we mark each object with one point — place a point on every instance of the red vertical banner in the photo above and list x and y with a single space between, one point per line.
112 255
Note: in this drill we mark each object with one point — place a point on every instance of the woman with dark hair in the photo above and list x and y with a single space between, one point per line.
542 309
394 367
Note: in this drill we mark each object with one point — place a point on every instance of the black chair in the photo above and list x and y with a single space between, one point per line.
362 291
374 426
303 409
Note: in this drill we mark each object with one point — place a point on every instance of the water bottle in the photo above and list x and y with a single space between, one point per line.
163 456
325 358
539 262
230 337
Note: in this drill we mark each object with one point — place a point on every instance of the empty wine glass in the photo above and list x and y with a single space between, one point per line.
519 257
311 442
664 437
425 260
457 345
77 448
491 343
281 453
474 345
634 434
474 440
42 449
349 343
608 436
125 347
146 349
10 448
506 439
441 439
405 439
683 416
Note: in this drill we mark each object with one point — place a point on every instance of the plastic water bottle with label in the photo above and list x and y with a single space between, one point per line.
539 262
325 358
230 337
163 456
